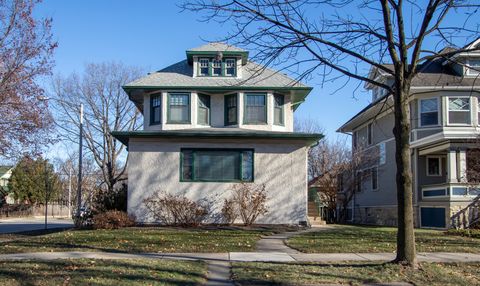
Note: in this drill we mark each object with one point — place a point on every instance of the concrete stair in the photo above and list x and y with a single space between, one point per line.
316 221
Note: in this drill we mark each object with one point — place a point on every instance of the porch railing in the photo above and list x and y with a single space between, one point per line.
468 216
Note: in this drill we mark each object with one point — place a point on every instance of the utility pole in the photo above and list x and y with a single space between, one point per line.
79 189
70 191
46 193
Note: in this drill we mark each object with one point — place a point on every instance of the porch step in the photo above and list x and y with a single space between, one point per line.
315 220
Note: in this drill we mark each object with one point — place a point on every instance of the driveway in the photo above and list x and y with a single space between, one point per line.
30 223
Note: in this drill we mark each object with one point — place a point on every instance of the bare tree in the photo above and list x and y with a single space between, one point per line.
26 49
335 38
107 108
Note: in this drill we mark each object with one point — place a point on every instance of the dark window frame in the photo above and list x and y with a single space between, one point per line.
374 175
370 133
153 108
245 101
281 107
227 122
241 160
189 109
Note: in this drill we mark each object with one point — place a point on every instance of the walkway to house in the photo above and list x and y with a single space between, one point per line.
269 249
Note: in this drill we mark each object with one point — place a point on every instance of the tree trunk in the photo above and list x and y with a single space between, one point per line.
405 236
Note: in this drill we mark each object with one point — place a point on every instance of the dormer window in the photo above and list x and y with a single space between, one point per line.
229 67
473 67
204 64
214 67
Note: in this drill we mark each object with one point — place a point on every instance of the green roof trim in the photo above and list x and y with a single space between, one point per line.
309 138
190 54
298 96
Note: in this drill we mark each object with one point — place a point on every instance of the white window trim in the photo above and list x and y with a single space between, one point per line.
448 111
468 70
439 166
420 112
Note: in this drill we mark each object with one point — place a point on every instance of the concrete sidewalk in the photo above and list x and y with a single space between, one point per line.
247 256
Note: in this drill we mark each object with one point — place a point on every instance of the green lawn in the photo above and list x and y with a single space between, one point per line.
378 239
141 239
356 273
102 272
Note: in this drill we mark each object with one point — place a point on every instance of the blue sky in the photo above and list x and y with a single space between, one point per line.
155 34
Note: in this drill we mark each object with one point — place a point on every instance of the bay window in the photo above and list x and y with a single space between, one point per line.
429 112
216 165
473 67
203 111
278 101
179 108
459 110
231 109
255 108
155 108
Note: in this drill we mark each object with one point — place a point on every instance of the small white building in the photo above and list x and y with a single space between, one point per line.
211 121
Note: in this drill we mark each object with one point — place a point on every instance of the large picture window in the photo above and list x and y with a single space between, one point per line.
429 112
459 110
278 109
203 113
155 109
216 165
255 108
231 109
179 108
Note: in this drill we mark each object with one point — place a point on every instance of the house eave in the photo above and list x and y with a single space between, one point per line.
308 138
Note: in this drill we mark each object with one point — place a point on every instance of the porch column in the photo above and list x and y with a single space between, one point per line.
452 175
462 166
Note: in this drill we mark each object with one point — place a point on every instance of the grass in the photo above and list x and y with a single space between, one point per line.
102 272
141 239
378 239
255 273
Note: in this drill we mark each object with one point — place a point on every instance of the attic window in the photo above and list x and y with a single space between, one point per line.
473 67
217 67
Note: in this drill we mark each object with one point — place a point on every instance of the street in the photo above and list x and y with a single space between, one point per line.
32 223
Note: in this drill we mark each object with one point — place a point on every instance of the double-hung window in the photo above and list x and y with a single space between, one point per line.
473 67
429 112
216 67
203 112
369 134
231 109
179 108
374 174
434 166
459 110
278 101
216 165
204 66
155 108
230 69
255 108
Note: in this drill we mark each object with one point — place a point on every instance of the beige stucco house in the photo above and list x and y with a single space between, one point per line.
444 141
212 120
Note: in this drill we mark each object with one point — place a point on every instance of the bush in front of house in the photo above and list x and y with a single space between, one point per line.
112 219
249 201
176 210
473 233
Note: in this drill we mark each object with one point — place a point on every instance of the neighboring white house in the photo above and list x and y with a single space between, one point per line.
213 120
444 140
5 195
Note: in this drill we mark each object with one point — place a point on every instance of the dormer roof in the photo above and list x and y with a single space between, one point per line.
213 49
